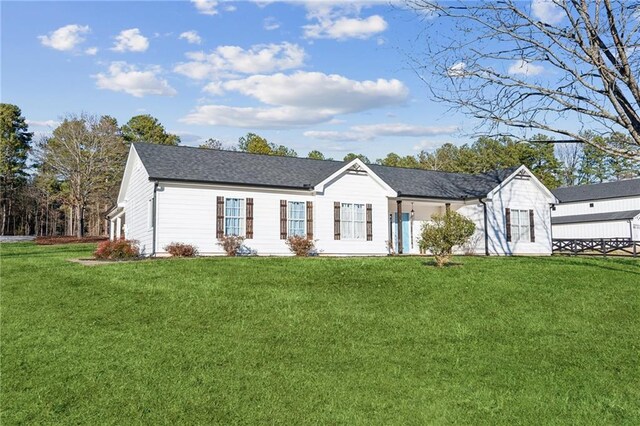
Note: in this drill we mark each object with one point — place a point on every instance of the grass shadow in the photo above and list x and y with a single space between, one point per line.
432 264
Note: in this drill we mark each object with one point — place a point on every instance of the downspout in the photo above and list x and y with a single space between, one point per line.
486 229
153 217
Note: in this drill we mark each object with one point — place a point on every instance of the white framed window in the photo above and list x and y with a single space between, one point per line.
353 221
520 226
296 218
234 216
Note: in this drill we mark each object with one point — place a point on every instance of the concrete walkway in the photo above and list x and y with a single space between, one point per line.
16 238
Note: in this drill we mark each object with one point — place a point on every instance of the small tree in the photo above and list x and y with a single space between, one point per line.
444 233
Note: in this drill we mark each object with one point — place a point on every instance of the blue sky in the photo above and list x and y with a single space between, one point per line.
310 75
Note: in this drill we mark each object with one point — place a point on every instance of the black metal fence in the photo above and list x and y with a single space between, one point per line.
597 246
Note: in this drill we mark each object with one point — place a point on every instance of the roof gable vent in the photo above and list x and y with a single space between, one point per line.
356 169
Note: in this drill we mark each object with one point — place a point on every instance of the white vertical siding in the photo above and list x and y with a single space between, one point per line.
187 214
521 194
608 229
137 194
612 229
599 206
352 188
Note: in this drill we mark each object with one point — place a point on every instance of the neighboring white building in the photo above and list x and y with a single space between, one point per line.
192 195
603 210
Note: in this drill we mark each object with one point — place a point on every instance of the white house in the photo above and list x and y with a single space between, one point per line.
192 195
603 210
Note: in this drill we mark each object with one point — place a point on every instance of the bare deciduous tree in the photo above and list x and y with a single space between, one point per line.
85 152
537 65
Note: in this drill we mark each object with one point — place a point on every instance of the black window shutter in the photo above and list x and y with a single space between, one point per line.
532 227
283 219
507 214
369 223
336 220
309 220
249 218
220 217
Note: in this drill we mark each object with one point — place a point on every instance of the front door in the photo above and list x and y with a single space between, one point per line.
406 233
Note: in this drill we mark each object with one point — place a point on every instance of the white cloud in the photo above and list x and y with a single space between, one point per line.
126 78
250 117
91 51
547 11
206 7
428 145
65 38
332 135
340 21
270 23
230 8
345 28
225 60
320 91
191 37
43 123
301 98
522 67
457 69
372 131
130 40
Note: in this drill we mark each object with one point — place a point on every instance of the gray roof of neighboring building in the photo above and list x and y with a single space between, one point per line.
595 217
188 164
598 191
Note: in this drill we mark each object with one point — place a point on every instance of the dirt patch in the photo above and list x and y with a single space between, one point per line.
96 262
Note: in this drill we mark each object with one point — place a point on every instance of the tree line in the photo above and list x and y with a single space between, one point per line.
65 183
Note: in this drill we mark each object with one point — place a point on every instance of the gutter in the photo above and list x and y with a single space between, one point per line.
304 187
486 229
153 218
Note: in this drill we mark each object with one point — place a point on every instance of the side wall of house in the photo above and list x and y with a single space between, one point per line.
138 197
610 229
519 194
599 206
358 189
187 213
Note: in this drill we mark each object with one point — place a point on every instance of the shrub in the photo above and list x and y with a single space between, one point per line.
181 250
300 245
443 233
117 250
231 244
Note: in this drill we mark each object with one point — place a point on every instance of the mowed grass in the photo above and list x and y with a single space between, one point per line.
320 340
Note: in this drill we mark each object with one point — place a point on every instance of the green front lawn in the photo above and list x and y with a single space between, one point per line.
321 340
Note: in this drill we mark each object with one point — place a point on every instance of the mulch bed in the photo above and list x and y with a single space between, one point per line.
67 239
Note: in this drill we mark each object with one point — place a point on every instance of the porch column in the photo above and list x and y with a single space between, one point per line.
399 221
118 227
112 229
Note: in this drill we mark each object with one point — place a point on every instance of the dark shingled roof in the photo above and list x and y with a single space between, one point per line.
598 191
188 164
595 217
435 184
209 165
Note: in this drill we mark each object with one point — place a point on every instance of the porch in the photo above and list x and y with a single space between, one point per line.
117 224
406 216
